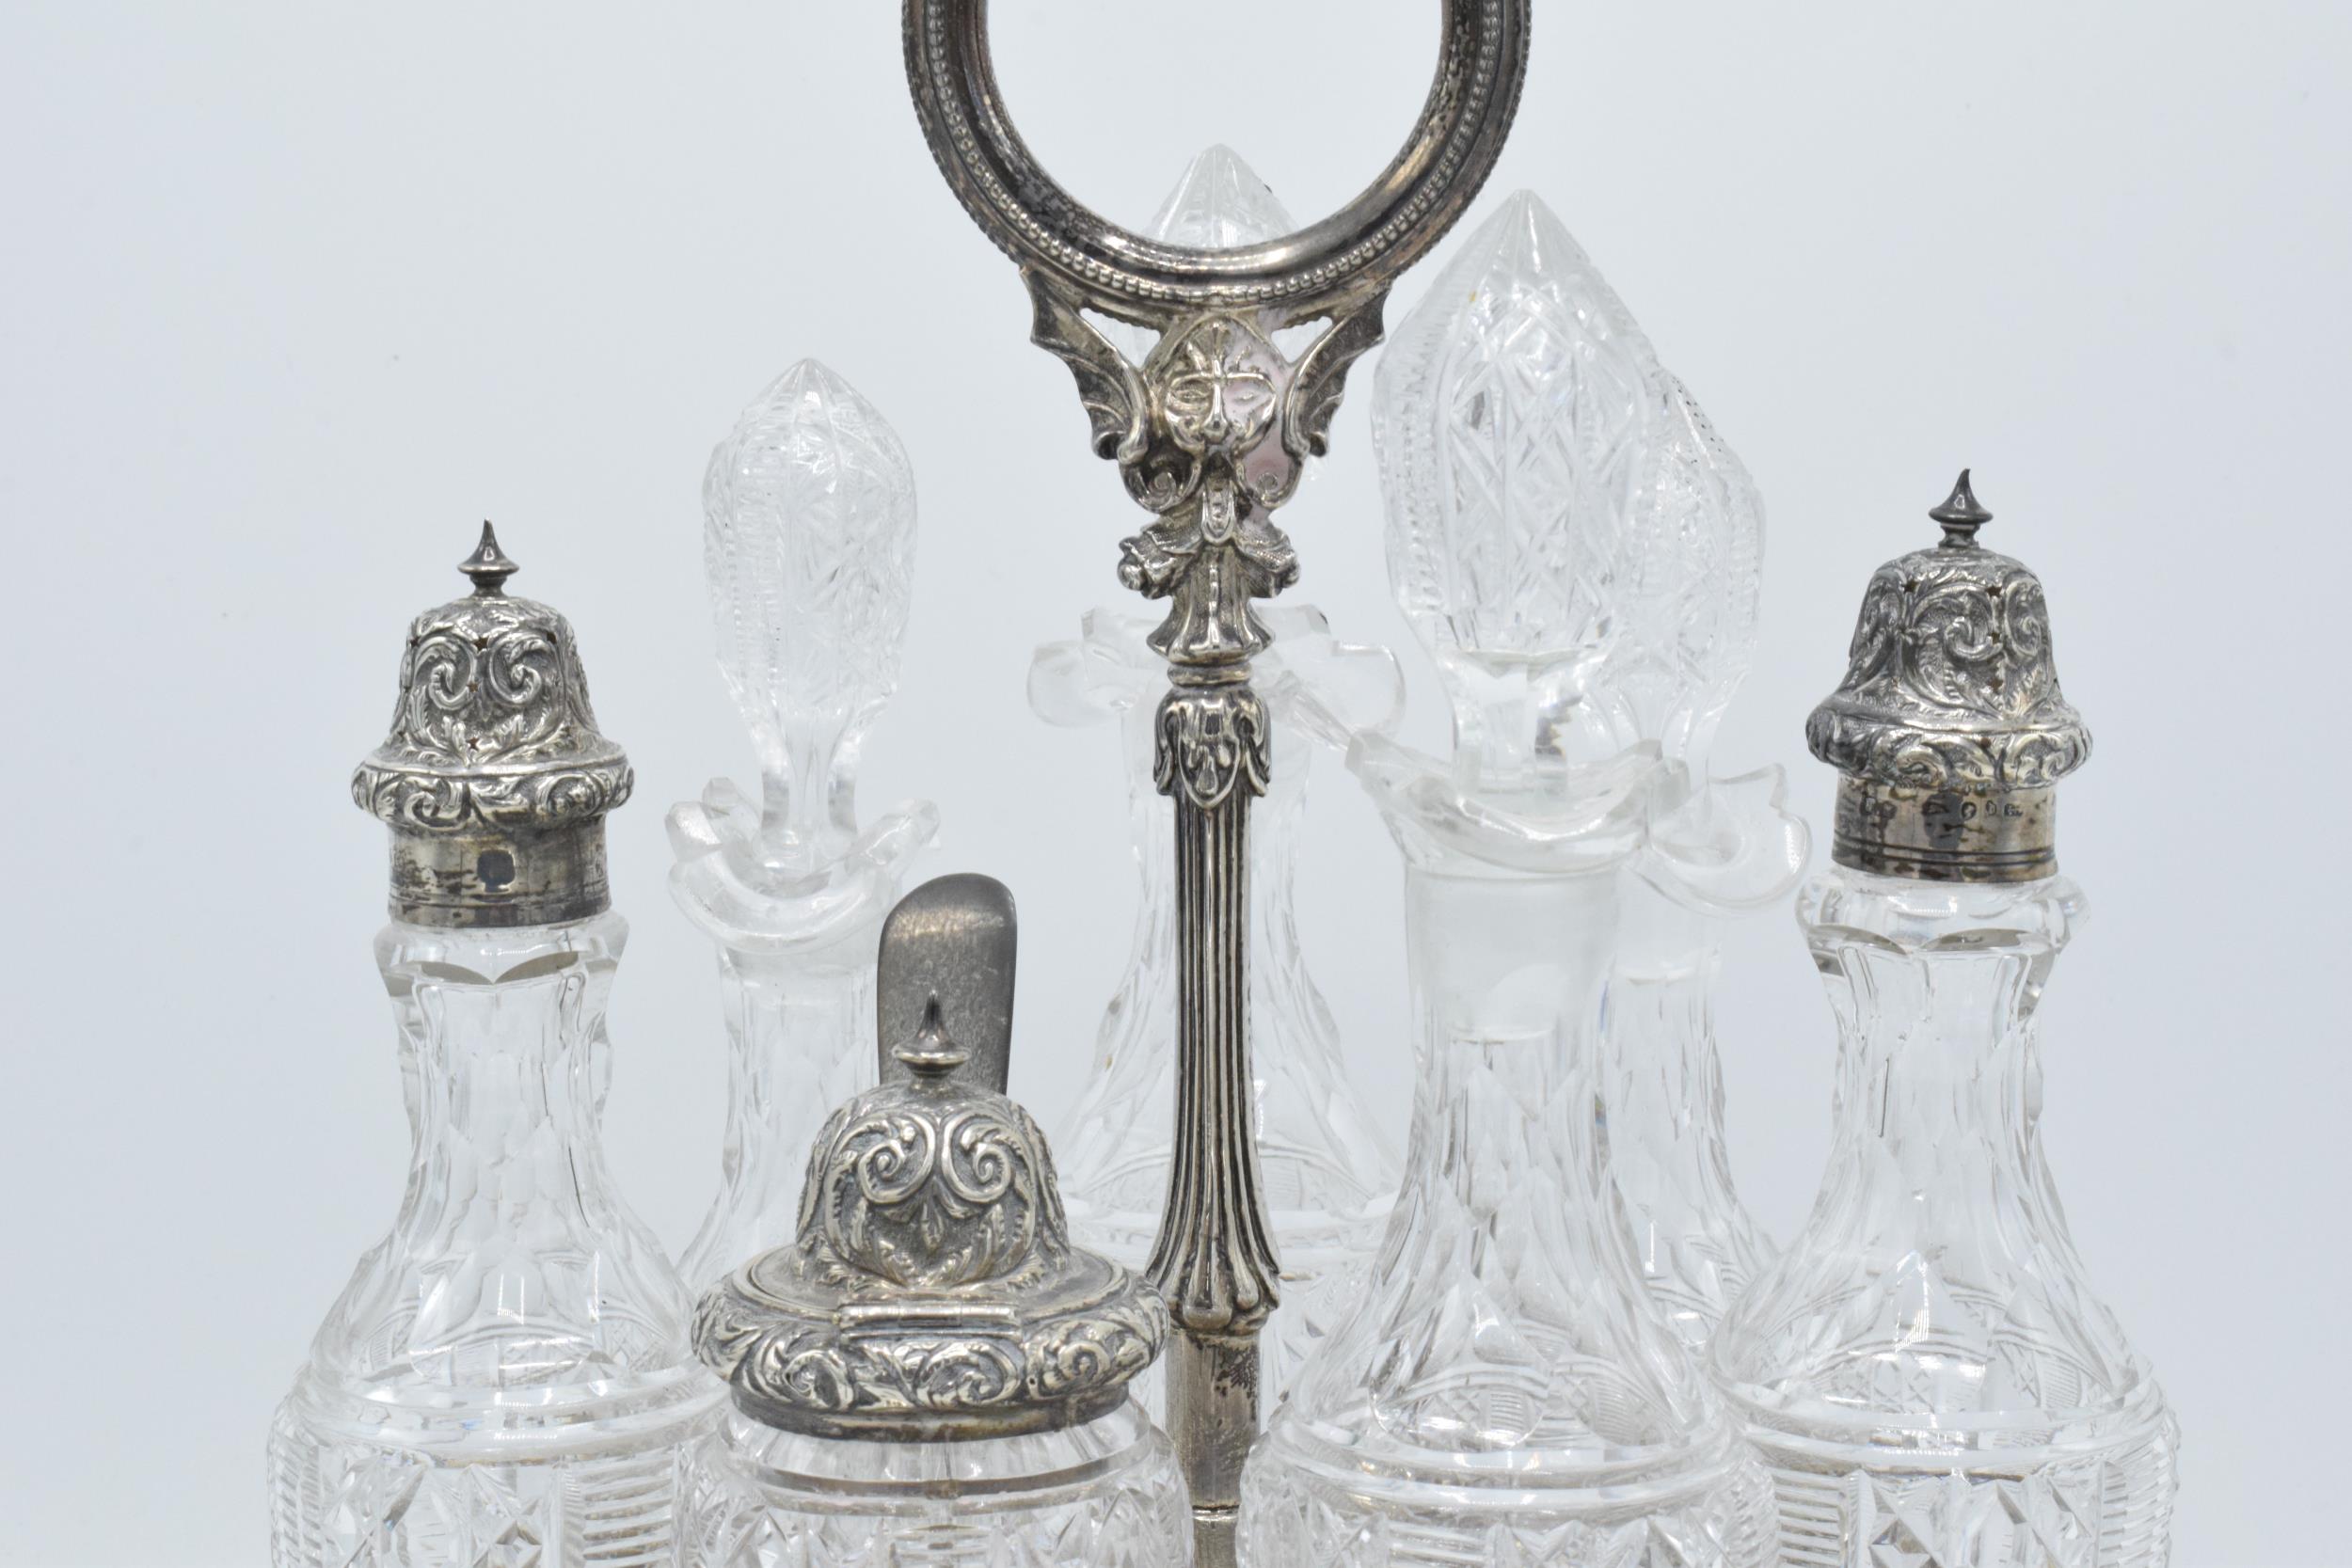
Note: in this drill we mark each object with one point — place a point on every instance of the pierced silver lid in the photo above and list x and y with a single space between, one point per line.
1949 728
932 1292
495 780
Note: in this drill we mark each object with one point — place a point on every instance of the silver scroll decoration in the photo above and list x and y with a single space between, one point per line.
1211 432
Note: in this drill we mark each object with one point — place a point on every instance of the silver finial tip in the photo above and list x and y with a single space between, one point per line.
1961 515
932 1052
488 566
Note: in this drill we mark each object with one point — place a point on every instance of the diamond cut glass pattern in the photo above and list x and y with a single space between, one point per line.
1684 608
1103 1495
808 549
1926 1368
1513 413
1501 1390
505 1380
1217 203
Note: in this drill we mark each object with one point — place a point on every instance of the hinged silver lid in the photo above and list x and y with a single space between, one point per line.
495 780
932 1292
1949 728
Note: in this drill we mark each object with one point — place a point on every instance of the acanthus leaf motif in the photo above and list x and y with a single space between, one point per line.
1321 378
1110 388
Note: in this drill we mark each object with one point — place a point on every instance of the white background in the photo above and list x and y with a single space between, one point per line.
293 295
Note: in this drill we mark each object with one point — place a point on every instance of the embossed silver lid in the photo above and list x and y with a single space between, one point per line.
1949 728
932 1292
495 780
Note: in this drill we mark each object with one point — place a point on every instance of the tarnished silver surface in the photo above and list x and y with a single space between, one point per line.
1949 727
932 1292
494 779
1212 432
964 928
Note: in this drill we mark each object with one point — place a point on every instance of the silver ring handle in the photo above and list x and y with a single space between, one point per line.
1354 252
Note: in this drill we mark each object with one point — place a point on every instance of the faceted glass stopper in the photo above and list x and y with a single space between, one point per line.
808 544
1685 607
1513 415
1218 203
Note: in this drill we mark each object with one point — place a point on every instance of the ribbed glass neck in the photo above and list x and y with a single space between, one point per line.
1934 987
512 1262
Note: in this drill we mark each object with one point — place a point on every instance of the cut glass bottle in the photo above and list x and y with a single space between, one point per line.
808 547
1503 1391
1684 608
506 1378
1513 418
1925 1367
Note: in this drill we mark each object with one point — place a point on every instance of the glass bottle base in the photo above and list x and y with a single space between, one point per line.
588 1482
2101 1504
1104 1495
1307 1501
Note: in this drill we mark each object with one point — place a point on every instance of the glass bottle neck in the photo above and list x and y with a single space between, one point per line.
512 1262
801 1041
1498 959
1507 973
1934 987
1659 1025
506 1029
1933 1293
1662 1109
1505 1312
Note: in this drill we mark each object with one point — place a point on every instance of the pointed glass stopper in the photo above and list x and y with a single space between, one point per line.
808 544
1220 204
1685 604
489 567
1514 414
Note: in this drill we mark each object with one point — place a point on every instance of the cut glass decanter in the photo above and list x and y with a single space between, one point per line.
808 546
1327 1174
1683 605
929 1371
506 1378
1503 1391
1514 419
1926 1368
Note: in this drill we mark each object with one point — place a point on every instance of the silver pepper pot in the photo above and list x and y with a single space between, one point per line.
1949 733
930 1360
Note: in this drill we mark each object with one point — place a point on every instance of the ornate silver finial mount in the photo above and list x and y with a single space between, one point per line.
934 1053
1961 515
1949 728
494 779
932 1292
488 567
